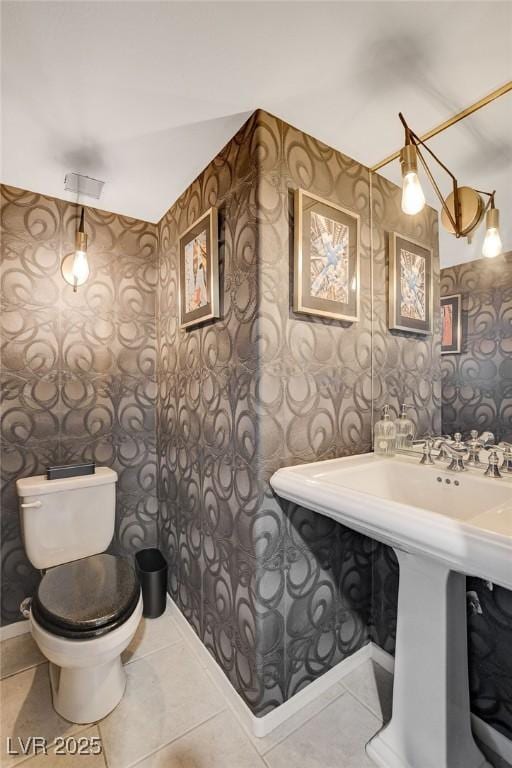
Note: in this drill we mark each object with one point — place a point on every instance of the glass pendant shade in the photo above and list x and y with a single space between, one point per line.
75 266
492 246
80 268
413 199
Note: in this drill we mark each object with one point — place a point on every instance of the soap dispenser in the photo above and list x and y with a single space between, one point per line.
404 428
384 435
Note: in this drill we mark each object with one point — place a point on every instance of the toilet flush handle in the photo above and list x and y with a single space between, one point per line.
25 607
31 504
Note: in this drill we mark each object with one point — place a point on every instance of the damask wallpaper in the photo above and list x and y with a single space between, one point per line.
314 398
406 369
207 423
477 384
406 366
477 393
277 593
78 369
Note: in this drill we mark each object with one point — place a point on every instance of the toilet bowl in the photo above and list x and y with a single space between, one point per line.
82 618
86 676
88 604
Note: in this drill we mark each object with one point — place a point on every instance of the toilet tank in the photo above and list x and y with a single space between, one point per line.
67 519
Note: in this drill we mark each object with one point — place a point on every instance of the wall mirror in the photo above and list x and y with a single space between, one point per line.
451 375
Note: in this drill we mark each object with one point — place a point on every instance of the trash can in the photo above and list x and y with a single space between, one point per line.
151 568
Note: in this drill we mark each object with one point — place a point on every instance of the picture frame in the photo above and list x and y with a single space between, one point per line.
326 274
199 270
451 324
411 285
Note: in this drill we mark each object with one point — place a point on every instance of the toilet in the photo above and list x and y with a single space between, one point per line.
88 604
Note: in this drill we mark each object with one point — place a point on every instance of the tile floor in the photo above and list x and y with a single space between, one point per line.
174 716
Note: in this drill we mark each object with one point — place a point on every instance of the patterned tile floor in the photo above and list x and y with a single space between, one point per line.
174 716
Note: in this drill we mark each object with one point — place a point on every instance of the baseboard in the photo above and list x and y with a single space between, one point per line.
383 658
14 630
482 730
262 726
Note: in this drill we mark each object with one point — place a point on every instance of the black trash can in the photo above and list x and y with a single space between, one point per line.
151 569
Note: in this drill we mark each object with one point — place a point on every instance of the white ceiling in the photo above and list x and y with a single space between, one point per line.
144 94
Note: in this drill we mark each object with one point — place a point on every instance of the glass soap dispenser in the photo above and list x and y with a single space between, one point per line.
384 435
404 428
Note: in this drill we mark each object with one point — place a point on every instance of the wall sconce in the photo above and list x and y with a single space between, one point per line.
75 267
463 209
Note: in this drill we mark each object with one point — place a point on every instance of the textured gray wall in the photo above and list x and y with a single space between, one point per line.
78 370
314 402
277 593
406 366
477 393
477 384
207 426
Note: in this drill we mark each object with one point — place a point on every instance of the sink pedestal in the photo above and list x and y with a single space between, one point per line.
430 726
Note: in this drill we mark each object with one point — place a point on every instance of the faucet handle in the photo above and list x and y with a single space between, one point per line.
493 468
474 448
487 438
507 457
458 440
426 458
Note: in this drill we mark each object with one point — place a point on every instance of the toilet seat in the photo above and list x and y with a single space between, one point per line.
86 598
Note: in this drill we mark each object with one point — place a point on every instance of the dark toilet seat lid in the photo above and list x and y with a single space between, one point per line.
88 596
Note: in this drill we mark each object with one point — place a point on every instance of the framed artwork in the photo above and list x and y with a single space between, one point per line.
199 271
410 285
326 263
451 324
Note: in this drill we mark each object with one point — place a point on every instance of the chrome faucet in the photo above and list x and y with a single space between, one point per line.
456 454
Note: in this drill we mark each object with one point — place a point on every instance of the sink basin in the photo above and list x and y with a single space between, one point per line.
441 525
464 519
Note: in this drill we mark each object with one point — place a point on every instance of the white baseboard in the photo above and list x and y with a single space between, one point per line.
262 726
482 730
14 630
383 658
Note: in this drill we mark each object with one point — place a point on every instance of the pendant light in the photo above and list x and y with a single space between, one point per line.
492 246
413 199
75 266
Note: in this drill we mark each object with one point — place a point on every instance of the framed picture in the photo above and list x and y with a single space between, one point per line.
199 271
410 285
326 264
451 324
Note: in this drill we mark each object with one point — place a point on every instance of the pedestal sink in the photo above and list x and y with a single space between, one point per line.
442 526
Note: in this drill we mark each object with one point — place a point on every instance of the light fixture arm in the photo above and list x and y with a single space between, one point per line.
490 195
